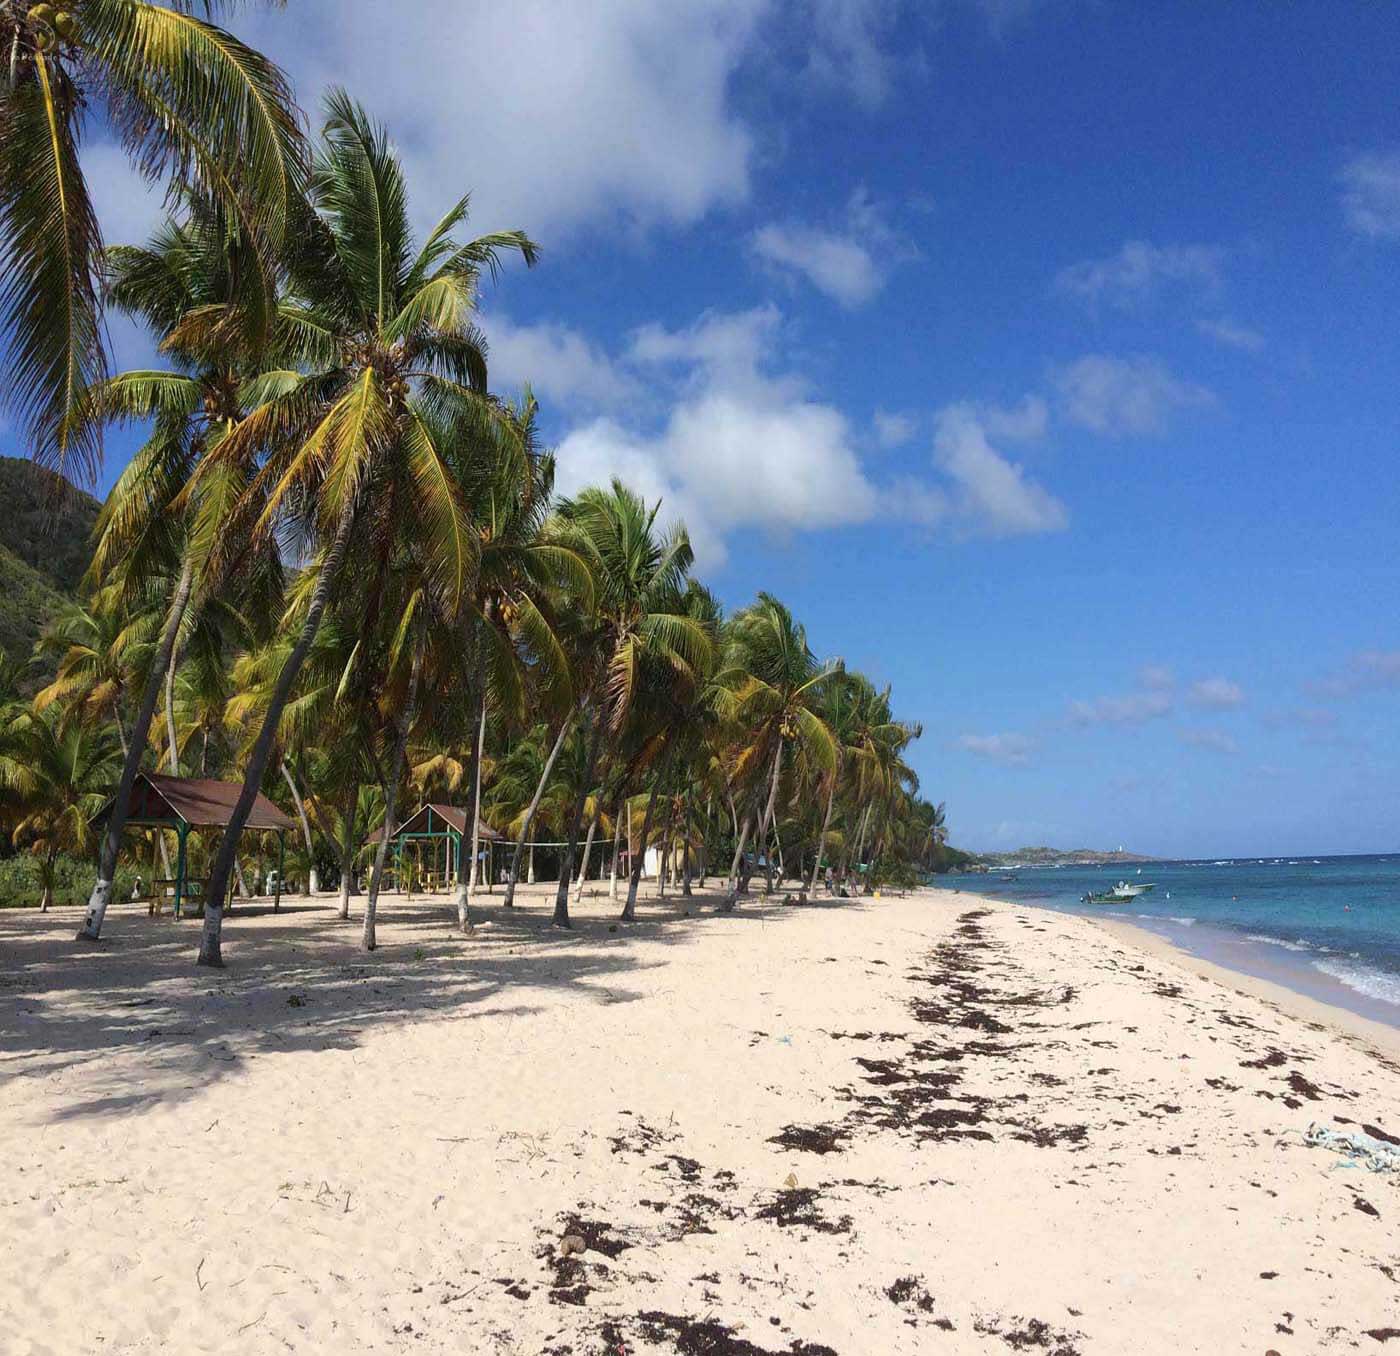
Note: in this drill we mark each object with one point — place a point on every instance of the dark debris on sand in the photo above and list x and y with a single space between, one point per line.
797 1208
709 1337
812 1139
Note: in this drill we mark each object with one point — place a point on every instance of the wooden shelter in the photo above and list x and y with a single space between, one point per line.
444 827
186 804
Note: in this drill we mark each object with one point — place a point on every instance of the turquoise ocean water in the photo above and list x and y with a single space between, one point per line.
1325 926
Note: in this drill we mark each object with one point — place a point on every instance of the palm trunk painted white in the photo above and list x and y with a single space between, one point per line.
465 896
588 849
391 797
527 827
172 742
593 738
617 841
733 880
101 895
347 850
769 811
528 824
314 883
209 948
826 824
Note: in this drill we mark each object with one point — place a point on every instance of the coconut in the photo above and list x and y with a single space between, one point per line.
44 39
41 14
66 25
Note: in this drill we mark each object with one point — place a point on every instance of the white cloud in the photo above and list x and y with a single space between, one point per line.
740 448
894 429
551 113
1017 423
1157 677
1139 270
1216 741
850 262
1368 670
1133 708
985 490
1232 335
1219 694
559 364
848 50
1123 396
1371 194
1011 750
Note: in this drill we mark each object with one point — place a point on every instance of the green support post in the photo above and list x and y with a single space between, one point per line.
181 833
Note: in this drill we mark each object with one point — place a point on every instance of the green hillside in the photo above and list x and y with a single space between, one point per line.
45 543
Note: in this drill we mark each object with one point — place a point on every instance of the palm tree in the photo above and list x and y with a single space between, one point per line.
358 438
190 103
155 537
58 776
774 687
639 578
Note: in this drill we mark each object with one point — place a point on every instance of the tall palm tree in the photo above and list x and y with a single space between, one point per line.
358 438
774 685
154 538
58 777
190 104
639 576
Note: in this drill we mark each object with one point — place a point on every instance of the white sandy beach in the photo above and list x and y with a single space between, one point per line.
1035 1136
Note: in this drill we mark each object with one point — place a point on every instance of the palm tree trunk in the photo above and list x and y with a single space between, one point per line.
464 900
566 867
101 895
821 841
617 841
391 796
769 816
529 872
121 730
313 881
629 910
528 825
347 849
47 898
209 952
588 848
172 741
739 845
466 885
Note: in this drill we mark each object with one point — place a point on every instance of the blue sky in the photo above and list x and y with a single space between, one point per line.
1040 353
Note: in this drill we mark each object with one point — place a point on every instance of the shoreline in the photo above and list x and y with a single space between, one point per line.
1293 1002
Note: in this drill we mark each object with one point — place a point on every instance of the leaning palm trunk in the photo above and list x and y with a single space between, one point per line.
566 867
770 815
347 849
313 885
172 740
617 842
733 881
634 880
101 895
528 825
391 798
466 891
209 953
821 841
588 849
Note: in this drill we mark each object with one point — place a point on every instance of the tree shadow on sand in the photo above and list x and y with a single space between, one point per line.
146 1027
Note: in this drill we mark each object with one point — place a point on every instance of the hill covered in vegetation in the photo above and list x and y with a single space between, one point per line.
45 544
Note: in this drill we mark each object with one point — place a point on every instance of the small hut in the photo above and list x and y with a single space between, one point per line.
443 830
190 804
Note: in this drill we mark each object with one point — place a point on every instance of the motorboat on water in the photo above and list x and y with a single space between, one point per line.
1122 893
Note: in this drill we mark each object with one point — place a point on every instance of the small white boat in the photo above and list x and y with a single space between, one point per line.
1122 893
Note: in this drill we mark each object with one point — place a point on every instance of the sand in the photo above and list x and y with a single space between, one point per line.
927 1124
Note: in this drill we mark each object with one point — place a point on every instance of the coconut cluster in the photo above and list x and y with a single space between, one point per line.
50 27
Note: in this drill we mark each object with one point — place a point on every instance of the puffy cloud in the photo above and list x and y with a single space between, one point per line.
739 448
1133 708
849 262
1124 396
1139 270
1157 677
558 363
1368 670
1371 194
1010 750
1216 741
552 113
1218 694
984 490
1232 335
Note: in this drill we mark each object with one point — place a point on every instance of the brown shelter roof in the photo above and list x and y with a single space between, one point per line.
450 815
196 801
